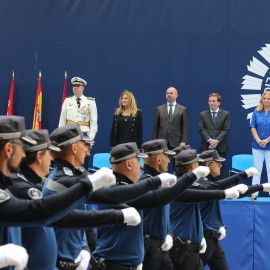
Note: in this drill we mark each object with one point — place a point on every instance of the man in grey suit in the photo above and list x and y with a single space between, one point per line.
171 121
214 127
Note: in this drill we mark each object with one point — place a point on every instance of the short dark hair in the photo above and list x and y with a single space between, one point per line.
31 157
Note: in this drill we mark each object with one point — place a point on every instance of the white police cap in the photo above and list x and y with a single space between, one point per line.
78 80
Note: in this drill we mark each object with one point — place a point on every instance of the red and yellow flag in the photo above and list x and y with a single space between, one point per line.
38 106
11 97
64 91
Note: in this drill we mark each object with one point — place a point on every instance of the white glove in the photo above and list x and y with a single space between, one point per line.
266 187
251 171
222 232
139 267
167 179
204 246
167 245
83 258
103 177
201 171
11 254
231 193
131 216
241 188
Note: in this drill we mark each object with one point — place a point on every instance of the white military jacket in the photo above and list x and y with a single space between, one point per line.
86 116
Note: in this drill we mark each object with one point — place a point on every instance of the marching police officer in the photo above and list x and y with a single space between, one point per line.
65 173
28 185
156 222
80 109
214 229
16 212
185 218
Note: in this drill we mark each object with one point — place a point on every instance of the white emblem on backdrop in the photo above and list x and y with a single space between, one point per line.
257 80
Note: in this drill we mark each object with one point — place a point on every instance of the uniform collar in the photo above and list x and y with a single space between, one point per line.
122 179
63 163
4 181
149 170
30 175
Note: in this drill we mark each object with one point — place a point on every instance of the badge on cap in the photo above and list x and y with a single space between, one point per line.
35 194
4 196
68 171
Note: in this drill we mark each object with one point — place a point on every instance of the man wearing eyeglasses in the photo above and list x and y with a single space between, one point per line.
80 109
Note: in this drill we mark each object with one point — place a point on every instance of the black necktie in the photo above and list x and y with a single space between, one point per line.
78 102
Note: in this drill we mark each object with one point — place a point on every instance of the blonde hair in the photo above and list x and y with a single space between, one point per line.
260 107
132 104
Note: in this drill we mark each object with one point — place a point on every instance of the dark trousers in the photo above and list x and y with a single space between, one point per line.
214 255
156 259
192 261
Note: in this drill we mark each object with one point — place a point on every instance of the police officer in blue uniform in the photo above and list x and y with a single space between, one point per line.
123 248
156 222
214 229
185 218
28 185
15 212
65 173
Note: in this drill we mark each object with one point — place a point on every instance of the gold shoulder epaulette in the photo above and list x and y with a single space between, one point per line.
91 98
69 97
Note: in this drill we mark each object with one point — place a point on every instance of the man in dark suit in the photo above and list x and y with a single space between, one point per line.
171 121
214 128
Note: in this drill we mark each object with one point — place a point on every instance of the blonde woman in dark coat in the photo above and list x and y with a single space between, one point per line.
127 123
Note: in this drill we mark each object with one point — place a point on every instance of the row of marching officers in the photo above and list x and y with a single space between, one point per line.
50 219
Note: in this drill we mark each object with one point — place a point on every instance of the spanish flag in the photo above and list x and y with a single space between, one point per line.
11 97
38 106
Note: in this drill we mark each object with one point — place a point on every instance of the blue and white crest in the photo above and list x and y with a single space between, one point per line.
68 171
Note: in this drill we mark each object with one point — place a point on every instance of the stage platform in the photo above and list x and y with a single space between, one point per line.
247 244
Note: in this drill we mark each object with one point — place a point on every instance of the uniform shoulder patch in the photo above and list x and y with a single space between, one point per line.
21 176
35 194
196 184
4 196
69 97
67 171
90 98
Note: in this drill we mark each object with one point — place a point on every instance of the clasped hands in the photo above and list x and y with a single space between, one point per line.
212 144
262 143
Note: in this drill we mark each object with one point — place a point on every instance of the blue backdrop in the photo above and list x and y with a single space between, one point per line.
197 46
